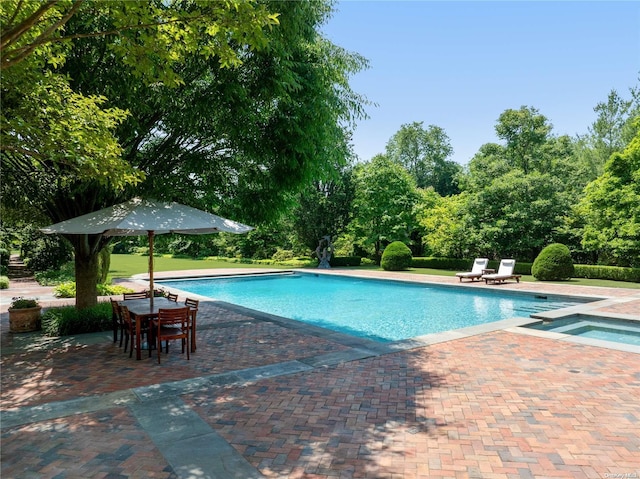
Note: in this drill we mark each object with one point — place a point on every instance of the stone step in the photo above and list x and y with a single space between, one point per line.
17 269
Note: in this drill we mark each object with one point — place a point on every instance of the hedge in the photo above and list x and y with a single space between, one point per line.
453 264
615 273
338 261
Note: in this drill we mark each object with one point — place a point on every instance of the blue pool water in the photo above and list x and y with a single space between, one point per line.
627 332
375 309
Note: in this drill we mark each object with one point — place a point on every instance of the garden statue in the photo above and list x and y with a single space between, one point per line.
324 251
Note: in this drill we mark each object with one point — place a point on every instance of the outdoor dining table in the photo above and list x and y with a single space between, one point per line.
144 310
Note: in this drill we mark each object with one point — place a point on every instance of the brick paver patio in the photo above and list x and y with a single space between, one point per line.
496 405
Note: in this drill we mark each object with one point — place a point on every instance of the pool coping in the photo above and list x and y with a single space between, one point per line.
364 347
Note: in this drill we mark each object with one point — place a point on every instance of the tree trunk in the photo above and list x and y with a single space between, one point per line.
86 280
87 250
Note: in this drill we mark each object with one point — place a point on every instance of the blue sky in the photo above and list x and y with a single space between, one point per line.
459 65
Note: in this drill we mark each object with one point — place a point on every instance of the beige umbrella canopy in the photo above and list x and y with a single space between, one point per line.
137 217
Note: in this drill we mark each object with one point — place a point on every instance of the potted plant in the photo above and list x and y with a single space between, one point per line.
24 315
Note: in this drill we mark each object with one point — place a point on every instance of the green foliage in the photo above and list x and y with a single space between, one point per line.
553 263
611 208
453 264
515 215
68 320
325 208
614 273
442 221
68 290
385 202
104 262
44 252
396 257
338 261
4 282
283 255
424 152
56 276
5 255
23 303
525 131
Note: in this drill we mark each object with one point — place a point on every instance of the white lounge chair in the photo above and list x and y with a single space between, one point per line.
479 265
505 271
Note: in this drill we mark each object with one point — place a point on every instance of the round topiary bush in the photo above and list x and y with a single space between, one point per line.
396 257
553 263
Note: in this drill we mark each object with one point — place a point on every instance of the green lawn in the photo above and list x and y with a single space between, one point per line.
125 266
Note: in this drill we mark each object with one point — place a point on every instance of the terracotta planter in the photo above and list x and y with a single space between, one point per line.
24 320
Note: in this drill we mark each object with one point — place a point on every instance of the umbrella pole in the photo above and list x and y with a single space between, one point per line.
151 292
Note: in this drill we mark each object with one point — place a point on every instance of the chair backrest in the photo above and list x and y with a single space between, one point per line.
192 303
173 316
115 309
506 266
136 295
124 315
172 297
479 264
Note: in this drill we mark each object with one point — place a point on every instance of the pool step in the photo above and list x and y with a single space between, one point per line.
545 307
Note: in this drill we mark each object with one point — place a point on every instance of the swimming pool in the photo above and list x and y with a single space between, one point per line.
381 310
618 331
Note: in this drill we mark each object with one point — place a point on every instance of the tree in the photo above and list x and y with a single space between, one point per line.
45 125
325 208
424 153
169 30
611 207
444 227
524 131
612 130
385 198
238 141
516 215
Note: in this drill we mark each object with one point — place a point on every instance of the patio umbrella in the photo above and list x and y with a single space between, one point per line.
137 217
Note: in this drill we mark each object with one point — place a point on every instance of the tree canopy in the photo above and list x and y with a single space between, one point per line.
49 127
612 208
424 152
239 140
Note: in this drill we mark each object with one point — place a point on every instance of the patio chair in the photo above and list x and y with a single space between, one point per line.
172 297
505 271
193 311
172 324
117 322
479 265
129 329
136 295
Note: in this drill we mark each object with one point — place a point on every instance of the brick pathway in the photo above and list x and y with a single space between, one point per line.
495 405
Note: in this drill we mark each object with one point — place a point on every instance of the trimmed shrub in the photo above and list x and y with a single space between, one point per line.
553 263
68 290
337 261
68 320
4 282
615 273
452 264
396 257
